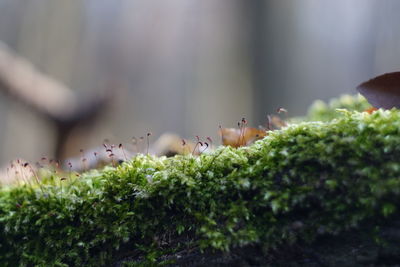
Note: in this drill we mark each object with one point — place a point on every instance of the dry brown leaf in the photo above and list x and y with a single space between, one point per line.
241 137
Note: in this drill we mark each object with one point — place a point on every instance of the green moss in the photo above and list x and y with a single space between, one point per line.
309 178
321 111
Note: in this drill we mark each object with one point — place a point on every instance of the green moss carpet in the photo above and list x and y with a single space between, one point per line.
308 179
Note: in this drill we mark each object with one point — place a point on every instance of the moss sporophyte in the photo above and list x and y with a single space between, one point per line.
296 183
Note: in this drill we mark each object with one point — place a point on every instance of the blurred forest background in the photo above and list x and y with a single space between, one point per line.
187 66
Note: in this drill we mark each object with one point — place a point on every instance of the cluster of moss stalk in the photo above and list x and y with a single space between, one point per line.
308 179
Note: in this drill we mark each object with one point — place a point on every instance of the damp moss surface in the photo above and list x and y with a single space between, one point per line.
308 179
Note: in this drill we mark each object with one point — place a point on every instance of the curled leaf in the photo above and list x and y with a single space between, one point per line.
382 91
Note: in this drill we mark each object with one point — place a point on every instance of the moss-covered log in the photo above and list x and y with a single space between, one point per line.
308 179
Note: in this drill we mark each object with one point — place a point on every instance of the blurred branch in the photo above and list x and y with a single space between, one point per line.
20 79
46 96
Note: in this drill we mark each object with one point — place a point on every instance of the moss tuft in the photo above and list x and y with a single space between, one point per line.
321 111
